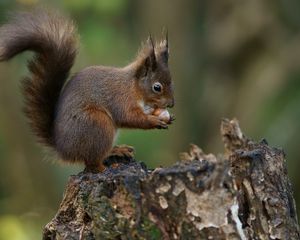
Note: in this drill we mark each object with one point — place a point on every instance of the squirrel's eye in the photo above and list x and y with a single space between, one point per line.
157 87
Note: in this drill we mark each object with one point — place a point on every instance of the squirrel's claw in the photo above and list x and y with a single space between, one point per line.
172 119
162 127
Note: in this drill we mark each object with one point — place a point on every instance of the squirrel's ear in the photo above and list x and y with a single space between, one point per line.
163 50
147 62
151 53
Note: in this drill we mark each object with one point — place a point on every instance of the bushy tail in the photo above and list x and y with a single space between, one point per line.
54 40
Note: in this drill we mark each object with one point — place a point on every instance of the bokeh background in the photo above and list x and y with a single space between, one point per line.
233 58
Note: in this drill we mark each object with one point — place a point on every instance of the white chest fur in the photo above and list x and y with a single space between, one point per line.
146 109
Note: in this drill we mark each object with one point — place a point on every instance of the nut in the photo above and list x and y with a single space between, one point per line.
162 114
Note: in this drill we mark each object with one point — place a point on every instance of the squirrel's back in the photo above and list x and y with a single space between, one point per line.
53 38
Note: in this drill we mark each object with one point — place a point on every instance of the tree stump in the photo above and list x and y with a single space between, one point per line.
244 194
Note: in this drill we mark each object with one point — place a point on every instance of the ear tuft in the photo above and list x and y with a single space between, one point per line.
146 58
162 50
151 52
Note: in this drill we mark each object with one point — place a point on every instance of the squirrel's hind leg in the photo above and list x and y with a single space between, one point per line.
87 137
101 131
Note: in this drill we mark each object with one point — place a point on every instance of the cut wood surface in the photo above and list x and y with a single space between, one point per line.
243 194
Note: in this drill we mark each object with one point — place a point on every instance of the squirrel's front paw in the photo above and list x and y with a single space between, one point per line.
157 123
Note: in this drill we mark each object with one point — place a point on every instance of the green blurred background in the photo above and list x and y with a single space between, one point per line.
233 58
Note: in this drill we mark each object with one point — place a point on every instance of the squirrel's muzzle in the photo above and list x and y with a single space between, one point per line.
171 103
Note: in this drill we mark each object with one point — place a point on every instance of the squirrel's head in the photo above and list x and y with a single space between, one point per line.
152 75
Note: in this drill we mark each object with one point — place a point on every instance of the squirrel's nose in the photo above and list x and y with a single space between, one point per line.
171 103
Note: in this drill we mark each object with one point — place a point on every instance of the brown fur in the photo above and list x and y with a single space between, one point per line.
54 40
80 120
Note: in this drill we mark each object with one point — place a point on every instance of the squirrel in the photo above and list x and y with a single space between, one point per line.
79 116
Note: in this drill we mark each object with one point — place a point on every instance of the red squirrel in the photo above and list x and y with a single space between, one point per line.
79 118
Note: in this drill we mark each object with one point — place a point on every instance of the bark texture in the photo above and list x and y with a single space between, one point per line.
243 194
